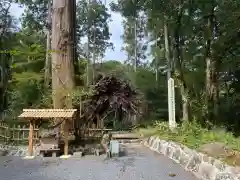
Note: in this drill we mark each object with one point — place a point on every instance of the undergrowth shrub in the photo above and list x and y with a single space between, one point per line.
192 134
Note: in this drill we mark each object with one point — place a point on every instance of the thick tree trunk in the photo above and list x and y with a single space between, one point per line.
4 77
5 59
63 52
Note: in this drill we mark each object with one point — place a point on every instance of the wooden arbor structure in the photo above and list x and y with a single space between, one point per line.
33 115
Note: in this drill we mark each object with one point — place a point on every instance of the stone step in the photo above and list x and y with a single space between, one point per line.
126 141
125 136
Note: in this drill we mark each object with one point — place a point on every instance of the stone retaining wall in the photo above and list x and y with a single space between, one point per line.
201 165
6 150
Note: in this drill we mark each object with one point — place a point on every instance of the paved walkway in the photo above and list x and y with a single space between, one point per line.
139 163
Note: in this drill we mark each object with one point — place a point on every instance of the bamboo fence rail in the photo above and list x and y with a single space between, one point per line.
16 134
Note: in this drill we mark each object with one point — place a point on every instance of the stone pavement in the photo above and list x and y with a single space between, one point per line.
138 163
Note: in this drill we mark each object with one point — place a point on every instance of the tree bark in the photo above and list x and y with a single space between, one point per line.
63 53
167 49
47 73
75 55
94 55
47 67
5 59
211 99
179 66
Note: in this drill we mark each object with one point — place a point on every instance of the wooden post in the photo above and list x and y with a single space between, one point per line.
30 139
18 134
98 123
66 129
102 123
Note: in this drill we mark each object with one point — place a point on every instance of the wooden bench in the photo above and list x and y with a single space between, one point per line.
54 152
49 145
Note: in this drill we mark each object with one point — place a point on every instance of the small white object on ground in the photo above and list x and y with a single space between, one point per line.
29 157
65 156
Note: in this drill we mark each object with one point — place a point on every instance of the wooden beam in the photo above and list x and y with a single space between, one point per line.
66 133
30 139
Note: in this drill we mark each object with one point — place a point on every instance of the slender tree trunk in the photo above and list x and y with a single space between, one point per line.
208 67
211 99
185 103
135 45
179 68
63 52
47 68
168 58
134 118
167 48
156 76
156 64
88 44
94 55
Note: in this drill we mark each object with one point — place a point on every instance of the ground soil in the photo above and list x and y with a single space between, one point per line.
221 152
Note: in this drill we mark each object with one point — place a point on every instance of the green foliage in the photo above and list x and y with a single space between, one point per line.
26 90
189 33
92 22
192 134
35 14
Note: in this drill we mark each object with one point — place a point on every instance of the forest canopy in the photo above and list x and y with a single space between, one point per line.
193 40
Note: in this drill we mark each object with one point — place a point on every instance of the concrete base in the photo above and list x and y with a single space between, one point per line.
65 156
29 157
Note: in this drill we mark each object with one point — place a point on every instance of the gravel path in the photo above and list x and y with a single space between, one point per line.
139 163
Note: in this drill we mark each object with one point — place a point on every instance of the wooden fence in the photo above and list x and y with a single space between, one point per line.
91 132
16 134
